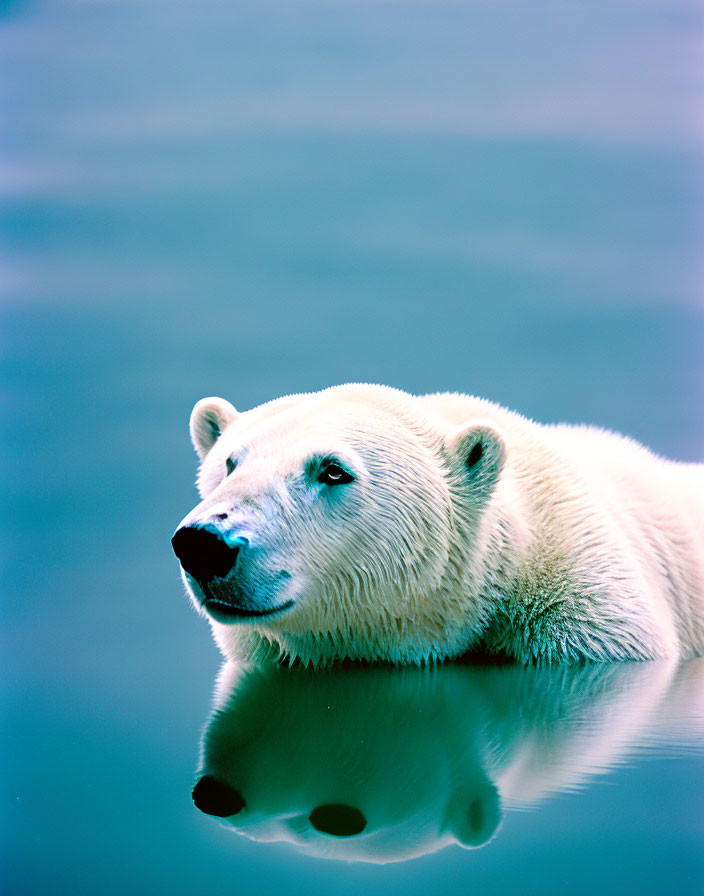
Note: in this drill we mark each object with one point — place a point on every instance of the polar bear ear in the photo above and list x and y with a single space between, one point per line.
209 418
475 821
478 447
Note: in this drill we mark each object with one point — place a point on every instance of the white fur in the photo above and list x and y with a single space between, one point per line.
560 543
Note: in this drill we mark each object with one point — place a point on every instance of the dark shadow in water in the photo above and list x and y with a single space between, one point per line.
381 764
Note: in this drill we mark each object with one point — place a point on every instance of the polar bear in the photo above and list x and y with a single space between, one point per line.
364 523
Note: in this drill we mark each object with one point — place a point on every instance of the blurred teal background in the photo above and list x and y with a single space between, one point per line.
253 198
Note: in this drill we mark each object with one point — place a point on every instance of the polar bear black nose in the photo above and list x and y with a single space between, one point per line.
204 553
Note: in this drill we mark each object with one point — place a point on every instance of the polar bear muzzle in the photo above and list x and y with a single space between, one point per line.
214 562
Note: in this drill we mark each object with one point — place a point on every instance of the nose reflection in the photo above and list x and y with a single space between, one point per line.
382 765
217 798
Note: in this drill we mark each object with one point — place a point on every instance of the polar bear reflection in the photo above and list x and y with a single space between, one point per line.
381 764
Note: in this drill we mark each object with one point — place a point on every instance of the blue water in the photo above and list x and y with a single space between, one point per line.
254 199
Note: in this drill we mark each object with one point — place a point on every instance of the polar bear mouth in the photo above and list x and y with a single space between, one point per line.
228 613
227 602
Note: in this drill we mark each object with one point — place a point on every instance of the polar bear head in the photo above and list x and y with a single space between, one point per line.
336 524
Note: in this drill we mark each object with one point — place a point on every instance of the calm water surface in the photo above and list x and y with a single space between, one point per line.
252 199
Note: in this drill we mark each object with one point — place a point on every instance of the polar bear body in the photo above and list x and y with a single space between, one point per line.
459 525
614 537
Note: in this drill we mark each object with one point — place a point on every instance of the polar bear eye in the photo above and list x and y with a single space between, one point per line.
230 465
334 474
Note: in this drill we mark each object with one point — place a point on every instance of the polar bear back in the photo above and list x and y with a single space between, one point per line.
581 479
